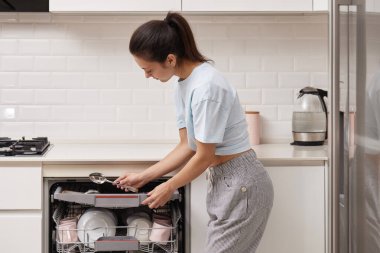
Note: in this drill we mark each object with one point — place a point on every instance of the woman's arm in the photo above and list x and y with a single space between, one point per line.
196 165
177 157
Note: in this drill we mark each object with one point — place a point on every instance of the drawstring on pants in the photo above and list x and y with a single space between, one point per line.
210 178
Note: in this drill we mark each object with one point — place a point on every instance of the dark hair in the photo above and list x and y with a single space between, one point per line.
156 39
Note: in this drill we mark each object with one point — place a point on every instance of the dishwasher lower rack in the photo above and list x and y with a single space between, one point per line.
98 239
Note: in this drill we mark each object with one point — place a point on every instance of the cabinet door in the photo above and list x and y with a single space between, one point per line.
296 223
246 5
21 232
113 5
21 188
320 5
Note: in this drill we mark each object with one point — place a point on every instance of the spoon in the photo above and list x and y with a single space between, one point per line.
99 178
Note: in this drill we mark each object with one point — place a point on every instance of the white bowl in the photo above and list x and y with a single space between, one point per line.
140 229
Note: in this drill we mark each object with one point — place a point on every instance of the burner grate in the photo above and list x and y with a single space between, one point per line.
23 147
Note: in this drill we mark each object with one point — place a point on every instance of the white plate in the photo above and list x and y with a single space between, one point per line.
95 223
143 226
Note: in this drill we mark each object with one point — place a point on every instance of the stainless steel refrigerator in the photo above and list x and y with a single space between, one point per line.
354 127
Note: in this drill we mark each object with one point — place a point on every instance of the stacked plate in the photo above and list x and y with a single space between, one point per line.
95 223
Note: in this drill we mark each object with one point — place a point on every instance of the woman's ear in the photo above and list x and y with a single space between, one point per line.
172 60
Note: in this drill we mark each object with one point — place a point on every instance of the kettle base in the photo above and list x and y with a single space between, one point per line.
308 143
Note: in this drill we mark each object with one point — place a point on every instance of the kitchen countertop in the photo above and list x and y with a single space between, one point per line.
129 153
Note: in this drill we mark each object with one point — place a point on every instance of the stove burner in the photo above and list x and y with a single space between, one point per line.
35 146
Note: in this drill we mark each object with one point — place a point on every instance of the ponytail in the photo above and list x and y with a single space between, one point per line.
156 39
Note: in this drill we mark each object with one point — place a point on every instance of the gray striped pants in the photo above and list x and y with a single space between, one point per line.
239 201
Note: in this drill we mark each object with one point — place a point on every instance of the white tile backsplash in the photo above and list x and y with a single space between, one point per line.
71 77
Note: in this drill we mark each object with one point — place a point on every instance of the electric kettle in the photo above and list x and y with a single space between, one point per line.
309 125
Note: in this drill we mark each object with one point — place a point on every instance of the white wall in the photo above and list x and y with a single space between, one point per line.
71 77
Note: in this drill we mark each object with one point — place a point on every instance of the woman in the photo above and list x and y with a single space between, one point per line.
213 134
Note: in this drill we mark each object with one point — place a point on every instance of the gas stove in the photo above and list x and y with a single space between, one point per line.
23 147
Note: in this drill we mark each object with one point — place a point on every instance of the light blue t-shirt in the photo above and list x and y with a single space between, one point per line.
209 108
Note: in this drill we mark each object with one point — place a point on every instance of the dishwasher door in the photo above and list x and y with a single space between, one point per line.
87 217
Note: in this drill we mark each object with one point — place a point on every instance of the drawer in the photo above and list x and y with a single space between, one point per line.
21 188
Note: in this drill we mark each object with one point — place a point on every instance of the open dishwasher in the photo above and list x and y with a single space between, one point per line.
88 217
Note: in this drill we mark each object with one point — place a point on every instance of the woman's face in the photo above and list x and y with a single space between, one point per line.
159 71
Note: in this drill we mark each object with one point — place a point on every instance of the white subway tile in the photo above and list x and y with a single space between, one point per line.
115 63
17 63
293 79
319 30
244 63
100 113
252 96
34 47
83 131
115 31
82 31
99 80
162 113
8 79
50 96
262 80
132 113
82 63
278 63
205 46
267 112
67 113
169 97
319 80
28 17
131 80
34 80
50 30
34 113
207 31
148 131
66 47
148 97
277 96
293 47
229 47
99 47
115 97
18 129
63 18
51 130
67 80
83 97
115 131
261 47
9 113
312 64
273 131
221 62
276 30
8 47
171 132
285 112
22 31
157 84
50 63
243 31
319 47
17 96
236 79
8 17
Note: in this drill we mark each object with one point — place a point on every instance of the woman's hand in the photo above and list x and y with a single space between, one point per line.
159 195
136 180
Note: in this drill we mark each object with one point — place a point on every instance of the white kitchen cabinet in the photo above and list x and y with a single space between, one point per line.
21 232
320 5
21 187
297 221
113 5
247 5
